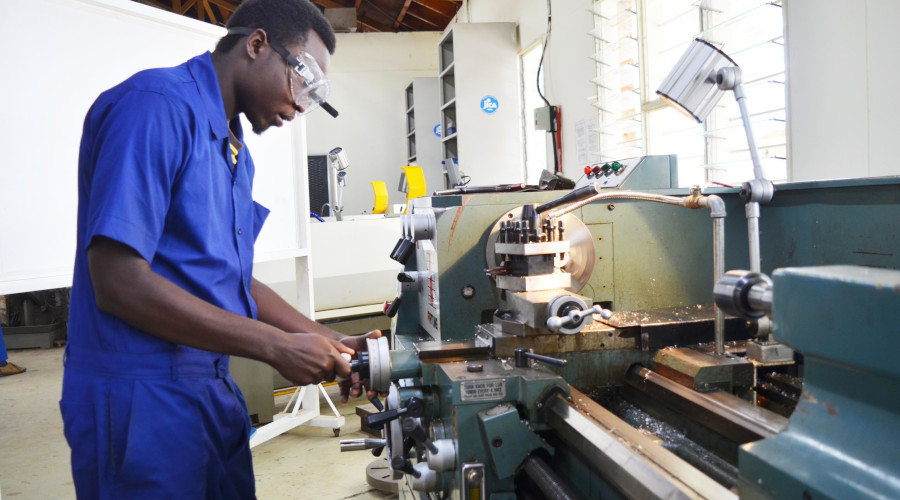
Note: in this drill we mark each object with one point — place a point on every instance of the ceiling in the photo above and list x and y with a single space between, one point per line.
371 15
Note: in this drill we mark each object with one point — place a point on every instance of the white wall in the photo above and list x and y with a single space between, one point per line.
567 69
369 74
843 77
61 54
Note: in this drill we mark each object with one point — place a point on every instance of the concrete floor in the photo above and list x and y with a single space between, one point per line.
303 463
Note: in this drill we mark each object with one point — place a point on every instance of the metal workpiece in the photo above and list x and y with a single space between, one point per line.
635 465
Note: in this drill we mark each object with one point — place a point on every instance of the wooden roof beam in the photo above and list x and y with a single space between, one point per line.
402 14
442 7
368 22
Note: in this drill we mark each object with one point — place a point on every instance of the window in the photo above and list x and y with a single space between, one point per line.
639 41
535 140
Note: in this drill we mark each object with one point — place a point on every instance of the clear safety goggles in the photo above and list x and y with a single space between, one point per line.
309 86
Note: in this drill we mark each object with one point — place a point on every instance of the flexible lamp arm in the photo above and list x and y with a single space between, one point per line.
759 189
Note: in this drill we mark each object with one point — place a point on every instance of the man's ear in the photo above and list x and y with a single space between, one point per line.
255 44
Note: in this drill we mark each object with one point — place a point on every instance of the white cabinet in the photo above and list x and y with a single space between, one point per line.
423 130
480 111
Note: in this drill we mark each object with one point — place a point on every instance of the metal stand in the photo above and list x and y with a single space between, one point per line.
306 410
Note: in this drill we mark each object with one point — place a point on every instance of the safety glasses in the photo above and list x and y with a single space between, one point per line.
309 86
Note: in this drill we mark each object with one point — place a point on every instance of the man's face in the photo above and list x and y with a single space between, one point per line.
274 101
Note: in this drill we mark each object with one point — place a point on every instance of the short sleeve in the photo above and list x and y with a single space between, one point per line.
139 146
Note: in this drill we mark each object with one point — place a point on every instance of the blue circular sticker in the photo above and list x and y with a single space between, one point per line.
437 130
489 104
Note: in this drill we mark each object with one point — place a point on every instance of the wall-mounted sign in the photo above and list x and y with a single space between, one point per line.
437 130
489 104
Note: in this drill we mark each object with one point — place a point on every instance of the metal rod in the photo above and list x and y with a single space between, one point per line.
631 462
752 212
550 484
728 415
745 118
718 272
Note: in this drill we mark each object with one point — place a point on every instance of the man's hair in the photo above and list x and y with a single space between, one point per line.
287 21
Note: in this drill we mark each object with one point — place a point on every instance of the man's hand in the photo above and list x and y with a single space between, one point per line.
353 387
308 358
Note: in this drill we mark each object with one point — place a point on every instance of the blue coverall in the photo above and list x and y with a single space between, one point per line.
146 418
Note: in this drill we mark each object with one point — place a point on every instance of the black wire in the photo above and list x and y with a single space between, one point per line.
538 84
543 51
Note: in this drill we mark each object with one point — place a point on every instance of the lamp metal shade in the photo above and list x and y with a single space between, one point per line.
691 86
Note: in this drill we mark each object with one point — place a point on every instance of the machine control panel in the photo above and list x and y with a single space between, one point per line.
640 172
612 173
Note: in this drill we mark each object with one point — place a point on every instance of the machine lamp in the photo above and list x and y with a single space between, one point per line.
693 87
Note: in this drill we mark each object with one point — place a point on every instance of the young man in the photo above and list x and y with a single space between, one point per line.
163 289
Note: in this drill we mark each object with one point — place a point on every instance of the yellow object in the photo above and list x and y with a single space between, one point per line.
381 197
415 183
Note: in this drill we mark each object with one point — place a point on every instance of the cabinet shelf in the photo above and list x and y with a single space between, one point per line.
486 142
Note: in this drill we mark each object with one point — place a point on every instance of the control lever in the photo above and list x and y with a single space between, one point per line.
404 465
555 323
412 429
415 407
570 197
391 308
403 250
522 357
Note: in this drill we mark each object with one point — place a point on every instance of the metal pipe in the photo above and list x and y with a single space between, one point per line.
718 272
617 195
550 484
745 118
752 212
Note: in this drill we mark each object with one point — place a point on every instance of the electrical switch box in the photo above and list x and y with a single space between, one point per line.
545 118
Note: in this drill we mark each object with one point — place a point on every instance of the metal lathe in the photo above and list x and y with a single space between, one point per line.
606 343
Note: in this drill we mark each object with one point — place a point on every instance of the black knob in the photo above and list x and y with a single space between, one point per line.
404 465
414 408
412 429
391 310
403 250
